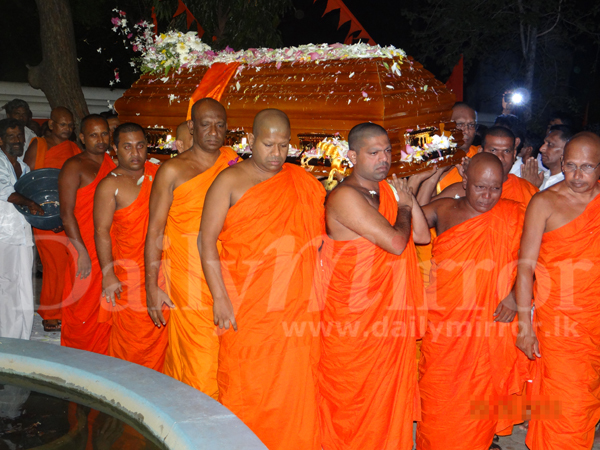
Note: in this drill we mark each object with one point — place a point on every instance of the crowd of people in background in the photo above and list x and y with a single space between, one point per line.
324 320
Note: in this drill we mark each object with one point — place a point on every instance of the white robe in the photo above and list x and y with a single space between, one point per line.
16 260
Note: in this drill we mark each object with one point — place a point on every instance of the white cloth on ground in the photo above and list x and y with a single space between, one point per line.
16 291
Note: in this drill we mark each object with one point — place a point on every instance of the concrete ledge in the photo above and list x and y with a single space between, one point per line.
179 416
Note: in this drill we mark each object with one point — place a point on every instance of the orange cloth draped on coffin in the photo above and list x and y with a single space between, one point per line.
567 314
267 369
519 190
470 364
133 336
193 344
213 83
453 176
80 327
368 395
52 247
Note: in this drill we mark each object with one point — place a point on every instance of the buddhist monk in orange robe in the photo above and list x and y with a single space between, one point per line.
121 222
465 118
52 152
269 218
368 396
176 204
501 142
561 231
469 370
77 184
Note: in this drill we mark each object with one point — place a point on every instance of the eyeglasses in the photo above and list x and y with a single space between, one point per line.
464 126
585 168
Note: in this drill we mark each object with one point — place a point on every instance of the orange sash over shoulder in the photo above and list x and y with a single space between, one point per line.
80 327
470 366
133 336
368 396
52 247
54 157
267 369
567 309
193 344
453 176
518 189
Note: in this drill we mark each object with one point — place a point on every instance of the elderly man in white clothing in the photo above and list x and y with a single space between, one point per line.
552 153
16 243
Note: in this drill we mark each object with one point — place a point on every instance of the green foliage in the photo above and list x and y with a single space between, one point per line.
239 24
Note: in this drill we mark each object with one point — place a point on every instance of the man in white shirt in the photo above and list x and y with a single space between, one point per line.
19 109
16 243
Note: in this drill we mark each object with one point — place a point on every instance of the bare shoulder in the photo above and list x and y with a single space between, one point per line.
109 182
345 198
452 191
72 165
169 170
442 204
231 176
545 201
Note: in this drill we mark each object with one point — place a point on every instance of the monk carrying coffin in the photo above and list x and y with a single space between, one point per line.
176 204
52 152
269 218
77 184
368 396
500 141
561 231
469 365
121 222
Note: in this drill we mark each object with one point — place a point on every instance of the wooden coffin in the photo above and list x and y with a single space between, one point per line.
321 98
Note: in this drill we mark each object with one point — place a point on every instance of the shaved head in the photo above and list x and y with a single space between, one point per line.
61 123
59 112
208 125
362 132
483 182
207 102
587 142
581 159
269 119
466 121
183 138
482 161
270 140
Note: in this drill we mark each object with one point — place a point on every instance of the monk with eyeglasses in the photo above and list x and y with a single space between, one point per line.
560 247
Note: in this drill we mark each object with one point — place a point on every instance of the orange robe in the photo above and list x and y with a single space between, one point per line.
470 364
453 176
193 344
52 247
80 327
518 189
567 314
267 369
368 396
133 336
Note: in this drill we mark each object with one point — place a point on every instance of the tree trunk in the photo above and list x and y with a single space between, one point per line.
58 75
530 69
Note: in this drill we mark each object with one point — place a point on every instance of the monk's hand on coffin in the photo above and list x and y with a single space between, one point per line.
530 172
506 310
58 229
403 192
111 287
527 341
463 166
155 298
84 265
35 209
223 314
